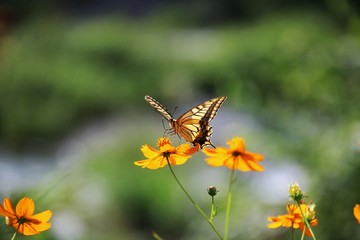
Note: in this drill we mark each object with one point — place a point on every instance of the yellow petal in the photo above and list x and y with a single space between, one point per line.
176 159
43 216
219 160
237 143
211 152
149 152
153 163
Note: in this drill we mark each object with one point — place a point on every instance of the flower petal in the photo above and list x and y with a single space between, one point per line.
25 207
149 152
177 159
237 144
28 229
43 216
8 209
357 212
153 163
192 150
248 165
219 160
276 222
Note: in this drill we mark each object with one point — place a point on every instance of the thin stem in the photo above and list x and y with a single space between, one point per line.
13 237
303 233
306 222
212 213
228 207
156 236
193 202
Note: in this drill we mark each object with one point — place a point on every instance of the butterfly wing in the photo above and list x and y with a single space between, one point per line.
160 108
194 125
203 137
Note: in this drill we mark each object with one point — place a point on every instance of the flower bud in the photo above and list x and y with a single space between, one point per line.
212 191
296 192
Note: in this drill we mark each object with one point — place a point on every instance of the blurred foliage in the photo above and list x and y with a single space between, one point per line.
55 75
297 73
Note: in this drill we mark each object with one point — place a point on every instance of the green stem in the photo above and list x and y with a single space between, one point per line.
13 237
303 233
228 207
193 202
306 222
212 213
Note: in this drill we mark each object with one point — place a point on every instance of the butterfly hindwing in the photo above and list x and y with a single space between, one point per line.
194 124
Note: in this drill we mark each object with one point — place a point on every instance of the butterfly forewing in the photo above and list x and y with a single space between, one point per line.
193 125
160 108
205 111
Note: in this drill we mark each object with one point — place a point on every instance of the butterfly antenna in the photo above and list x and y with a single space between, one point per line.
174 110
165 129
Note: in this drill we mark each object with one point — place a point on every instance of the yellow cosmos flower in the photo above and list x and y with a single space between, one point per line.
294 219
22 218
295 192
357 212
235 157
159 158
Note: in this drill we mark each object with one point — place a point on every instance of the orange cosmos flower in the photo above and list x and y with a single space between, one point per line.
235 157
294 218
357 212
159 158
22 218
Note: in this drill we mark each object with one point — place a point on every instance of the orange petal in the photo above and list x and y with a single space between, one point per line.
192 150
33 228
248 165
28 229
357 212
253 156
7 209
25 207
183 148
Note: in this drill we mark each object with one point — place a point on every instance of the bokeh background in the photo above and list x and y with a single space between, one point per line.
73 75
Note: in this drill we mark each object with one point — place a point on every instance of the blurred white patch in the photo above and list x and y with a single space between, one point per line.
272 185
67 224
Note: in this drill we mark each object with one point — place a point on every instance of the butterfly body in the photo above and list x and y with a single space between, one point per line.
193 125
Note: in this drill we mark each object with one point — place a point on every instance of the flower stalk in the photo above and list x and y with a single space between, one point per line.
228 205
306 221
194 203
13 237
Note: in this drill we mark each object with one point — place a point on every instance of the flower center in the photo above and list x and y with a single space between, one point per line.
236 154
22 220
166 154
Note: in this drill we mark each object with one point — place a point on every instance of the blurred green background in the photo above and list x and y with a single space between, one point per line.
73 75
